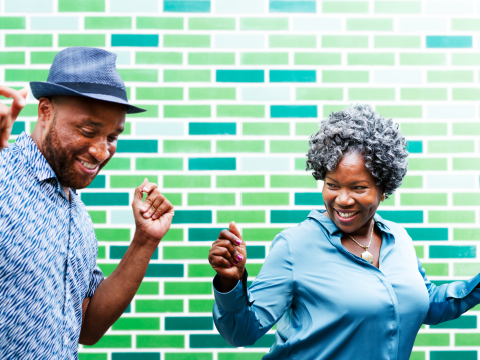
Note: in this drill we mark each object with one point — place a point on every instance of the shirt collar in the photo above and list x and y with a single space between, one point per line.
39 165
330 226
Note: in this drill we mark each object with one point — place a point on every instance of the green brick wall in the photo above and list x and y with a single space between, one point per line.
234 88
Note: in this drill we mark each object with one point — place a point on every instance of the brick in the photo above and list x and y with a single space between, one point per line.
412 182
139 75
42 57
369 24
94 40
471 339
449 41
306 128
190 41
339 7
118 163
195 6
292 41
97 183
465 59
159 23
137 146
188 356
445 252
423 94
158 306
192 217
263 199
105 199
293 181
437 76
195 128
288 146
245 111
113 341
186 76
288 216
452 146
186 181
161 58
98 217
465 128
203 234
173 234
12 22
308 198
148 288
159 93
92 356
249 24
215 199
452 354
311 58
397 7
272 58
435 269
339 76
466 269
186 146
427 164
199 58
437 339
293 111
243 146
185 252
188 288
25 75
385 59
188 323
370 94
254 76
141 40
28 40
117 252
459 94
81 6
12 57
137 323
135 356
451 216
111 22
105 234
402 216
198 23
130 181
160 341
466 234
344 41
241 216
293 76
466 199
282 6
422 59
427 129
423 199
259 129
212 164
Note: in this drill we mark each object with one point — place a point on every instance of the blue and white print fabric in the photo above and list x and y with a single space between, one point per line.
48 253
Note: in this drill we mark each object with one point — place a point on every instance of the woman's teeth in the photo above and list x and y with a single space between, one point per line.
346 215
88 165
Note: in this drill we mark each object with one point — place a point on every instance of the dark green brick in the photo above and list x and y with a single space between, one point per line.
105 199
188 323
463 322
422 234
402 216
444 251
204 234
453 355
164 270
192 217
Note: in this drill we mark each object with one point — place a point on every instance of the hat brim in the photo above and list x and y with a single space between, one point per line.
46 89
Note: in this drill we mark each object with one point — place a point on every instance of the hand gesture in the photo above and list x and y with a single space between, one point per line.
154 216
8 115
228 256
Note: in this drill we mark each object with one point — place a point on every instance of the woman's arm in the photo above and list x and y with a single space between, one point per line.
242 315
449 301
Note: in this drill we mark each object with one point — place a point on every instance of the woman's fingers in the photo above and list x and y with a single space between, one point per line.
234 239
233 229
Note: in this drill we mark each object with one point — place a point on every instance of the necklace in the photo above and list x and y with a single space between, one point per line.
366 255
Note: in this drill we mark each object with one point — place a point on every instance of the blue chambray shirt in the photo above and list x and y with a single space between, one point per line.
48 253
331 304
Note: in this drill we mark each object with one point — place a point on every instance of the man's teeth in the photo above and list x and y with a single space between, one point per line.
88 165
346 215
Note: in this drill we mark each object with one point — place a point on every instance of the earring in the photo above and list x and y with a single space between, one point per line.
383 197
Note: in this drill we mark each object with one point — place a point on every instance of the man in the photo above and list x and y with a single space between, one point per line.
52 294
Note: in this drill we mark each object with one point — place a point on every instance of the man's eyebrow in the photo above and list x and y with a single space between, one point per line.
94 123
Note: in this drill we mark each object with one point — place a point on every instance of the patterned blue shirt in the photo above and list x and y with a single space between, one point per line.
48 253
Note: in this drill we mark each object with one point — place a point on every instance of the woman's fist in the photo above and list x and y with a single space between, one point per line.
228 256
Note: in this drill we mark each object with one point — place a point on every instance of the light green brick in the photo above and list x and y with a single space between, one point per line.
390 42
422 59
186 76
398 7
186 181
412 182
26 75
306 128
28 40
264 58
423 199
262 199
471 339
199 58
466 269
244 111
188 288
42 57
453 76
466 163
261 129
423 94
240 146
344 41
369 24
240 181
385 59
465 24
159 93
451 216
149 288
292 41
348 7
217 93
466 94
214 199
81 6
130 181
185 252
188 41
420 251
158 306
186 146
370 94
293 181
92 356
201 270
427 164
211 23
160 341
12 58
200 305
265 23
466 234
110 22
139 75
300 164
118 163
465 59
158 58
159 23
186 111
450 146
137 323
466 128
311 93
93 40
289 146
435 269
425 129
312 58
12 23
441 339
241 216
466 199
113 341
341 76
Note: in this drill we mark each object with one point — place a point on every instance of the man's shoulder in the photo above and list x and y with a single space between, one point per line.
13 165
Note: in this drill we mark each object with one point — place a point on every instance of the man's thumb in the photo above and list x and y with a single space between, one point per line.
233 229
138 197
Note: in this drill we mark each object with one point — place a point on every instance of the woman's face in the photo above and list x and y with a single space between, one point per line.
350 194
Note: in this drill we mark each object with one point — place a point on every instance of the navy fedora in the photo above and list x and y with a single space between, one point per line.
85 71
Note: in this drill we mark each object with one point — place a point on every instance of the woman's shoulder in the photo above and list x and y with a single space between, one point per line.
307 231
397 230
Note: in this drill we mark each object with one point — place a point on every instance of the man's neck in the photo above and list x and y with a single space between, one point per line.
67 191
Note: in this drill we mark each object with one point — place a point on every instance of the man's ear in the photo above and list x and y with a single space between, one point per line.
45 111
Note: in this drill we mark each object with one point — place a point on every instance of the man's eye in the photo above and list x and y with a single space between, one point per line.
88 133
112 138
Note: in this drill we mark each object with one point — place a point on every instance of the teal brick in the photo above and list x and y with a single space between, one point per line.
188 323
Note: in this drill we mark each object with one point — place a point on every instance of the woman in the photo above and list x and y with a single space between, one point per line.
345 283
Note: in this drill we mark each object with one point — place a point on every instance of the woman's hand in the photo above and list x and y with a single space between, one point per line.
228 256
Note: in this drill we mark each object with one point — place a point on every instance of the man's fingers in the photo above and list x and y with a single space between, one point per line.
152 203
233 228
225 234
138 197
18 103
149 187
162 209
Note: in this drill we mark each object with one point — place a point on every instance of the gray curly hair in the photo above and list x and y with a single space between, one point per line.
360 128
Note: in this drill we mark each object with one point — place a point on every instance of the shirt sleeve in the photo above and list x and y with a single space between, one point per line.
244 315
450 301
95 279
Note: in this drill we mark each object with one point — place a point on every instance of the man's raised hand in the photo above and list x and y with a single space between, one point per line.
228 256
8 115
153 216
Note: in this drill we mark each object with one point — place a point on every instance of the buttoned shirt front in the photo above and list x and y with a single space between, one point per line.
48 253
329 304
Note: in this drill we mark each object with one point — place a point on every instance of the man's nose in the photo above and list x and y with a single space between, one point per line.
99 150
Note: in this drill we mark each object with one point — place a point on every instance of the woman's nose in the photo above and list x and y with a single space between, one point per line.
344 198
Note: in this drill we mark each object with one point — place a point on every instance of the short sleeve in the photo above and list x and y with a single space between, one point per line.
96 278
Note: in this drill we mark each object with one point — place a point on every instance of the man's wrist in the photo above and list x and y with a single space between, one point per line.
145 240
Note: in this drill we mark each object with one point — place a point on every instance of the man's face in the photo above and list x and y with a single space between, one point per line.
81 137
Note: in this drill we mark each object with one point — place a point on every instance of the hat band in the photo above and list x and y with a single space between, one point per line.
90 88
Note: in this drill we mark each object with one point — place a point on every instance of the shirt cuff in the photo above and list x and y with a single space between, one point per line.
233 300
460 289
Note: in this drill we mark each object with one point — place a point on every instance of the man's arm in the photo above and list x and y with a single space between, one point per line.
114 294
